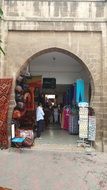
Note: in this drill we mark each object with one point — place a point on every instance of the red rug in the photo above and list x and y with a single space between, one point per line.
5 91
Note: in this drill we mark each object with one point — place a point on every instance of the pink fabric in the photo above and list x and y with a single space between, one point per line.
67 112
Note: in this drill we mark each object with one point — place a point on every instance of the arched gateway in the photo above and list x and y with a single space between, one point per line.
75 28
67 51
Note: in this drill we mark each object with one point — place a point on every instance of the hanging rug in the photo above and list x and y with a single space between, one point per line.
5 91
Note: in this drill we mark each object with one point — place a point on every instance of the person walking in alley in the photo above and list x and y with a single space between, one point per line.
40 119
55 114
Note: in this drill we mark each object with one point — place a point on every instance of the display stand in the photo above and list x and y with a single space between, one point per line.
83 124
83 143
92 130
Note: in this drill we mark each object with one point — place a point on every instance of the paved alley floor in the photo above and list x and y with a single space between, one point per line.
58 139
31 169
58 136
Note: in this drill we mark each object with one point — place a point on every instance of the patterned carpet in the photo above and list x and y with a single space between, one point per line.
5 90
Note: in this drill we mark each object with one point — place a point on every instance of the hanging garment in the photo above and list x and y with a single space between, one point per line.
29 99
80 91
73 124
67 112
62 119
70 124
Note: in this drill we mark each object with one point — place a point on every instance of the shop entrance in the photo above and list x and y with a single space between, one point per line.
51 78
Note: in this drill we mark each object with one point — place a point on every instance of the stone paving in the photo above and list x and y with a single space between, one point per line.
55 162
53 169
62 147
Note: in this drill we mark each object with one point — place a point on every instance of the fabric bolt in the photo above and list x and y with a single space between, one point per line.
28 142
80 91
5 91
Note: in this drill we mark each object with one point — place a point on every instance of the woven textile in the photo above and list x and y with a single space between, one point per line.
5 90
73 124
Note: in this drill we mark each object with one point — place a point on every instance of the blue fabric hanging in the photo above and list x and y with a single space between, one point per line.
80 91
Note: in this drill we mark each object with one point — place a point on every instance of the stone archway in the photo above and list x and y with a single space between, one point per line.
64 52
26 45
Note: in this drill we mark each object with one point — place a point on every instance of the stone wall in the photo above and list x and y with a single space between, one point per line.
77 27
